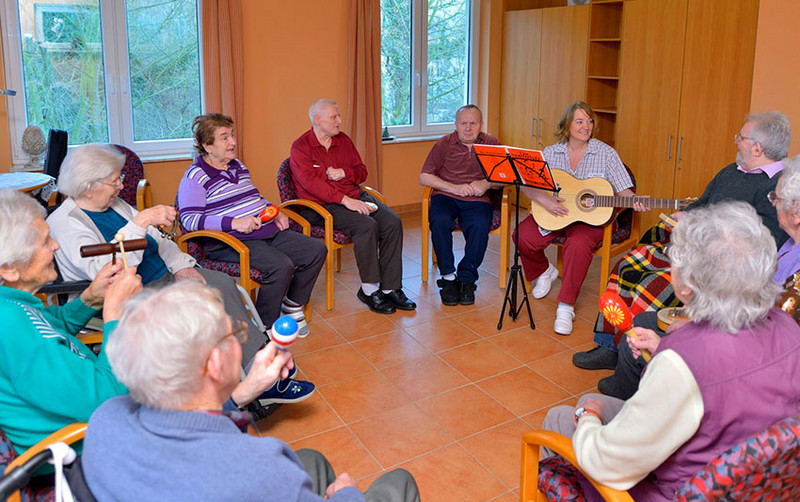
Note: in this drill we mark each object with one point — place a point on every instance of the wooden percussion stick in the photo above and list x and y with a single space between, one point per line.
121 240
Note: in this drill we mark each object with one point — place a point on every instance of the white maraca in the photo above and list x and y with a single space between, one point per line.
284 332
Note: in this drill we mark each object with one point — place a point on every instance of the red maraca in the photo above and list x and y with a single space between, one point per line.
269 213
619 315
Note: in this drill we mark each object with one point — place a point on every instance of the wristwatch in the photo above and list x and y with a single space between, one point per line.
579 412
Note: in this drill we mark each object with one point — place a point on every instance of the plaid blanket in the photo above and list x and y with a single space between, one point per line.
642 278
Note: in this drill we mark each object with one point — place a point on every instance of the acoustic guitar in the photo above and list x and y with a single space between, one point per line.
592 201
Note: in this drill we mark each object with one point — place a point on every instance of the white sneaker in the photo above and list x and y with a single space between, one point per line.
297 314
544 282
563 323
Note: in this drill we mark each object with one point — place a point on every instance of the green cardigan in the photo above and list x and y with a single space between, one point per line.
48 378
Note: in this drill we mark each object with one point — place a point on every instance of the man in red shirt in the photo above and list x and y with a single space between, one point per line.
459 194
327 169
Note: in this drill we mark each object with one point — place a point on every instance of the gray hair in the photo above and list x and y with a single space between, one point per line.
772 131
790 186
87 165
469 107
20 238
162 341
726 256
314 108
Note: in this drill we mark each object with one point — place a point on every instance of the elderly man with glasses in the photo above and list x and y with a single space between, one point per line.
177 352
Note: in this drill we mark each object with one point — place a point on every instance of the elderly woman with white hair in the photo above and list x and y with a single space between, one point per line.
91 176
48 377
786 199
729 373
178 353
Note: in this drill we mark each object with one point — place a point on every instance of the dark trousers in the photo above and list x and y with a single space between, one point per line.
625 380
290 263
377 240
475 220
394 486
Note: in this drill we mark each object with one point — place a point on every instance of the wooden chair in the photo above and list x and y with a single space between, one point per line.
500 225
69 435
620 235
250 282
765 466
334 240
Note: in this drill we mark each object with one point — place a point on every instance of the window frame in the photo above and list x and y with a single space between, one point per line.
119 110
419 81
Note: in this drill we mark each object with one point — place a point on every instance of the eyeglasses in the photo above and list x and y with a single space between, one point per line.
119 182
238 330
773 197
738 137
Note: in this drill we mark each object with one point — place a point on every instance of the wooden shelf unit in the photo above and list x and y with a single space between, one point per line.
603 66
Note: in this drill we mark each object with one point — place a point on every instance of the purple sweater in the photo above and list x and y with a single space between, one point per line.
209 199
748 381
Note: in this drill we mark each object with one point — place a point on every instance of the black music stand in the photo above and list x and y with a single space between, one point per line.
519 167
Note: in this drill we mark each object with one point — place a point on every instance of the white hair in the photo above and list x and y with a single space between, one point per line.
726 256
773 132
790 186
163 340
315 106
87 165
20 238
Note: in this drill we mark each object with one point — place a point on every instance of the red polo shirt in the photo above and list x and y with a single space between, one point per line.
309 160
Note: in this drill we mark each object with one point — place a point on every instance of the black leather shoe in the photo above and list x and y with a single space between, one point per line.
376 302
599 358
450 291
467 294
399 299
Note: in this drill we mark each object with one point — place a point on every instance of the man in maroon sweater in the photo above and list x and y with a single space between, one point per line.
327 169
460 194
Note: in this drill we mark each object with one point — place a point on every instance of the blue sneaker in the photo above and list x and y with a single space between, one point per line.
287 391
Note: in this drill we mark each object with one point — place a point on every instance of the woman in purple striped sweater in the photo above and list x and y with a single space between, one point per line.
216 193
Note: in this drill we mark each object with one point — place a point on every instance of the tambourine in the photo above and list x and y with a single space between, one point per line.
667 316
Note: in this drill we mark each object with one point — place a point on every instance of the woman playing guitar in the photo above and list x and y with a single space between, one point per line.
582 156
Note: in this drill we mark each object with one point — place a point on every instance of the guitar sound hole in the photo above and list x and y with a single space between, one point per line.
586 201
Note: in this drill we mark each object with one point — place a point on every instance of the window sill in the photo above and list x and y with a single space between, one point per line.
159 157
413 139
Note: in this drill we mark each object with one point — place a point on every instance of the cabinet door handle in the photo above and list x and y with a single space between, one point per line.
680 142
669 146
540 128
533 127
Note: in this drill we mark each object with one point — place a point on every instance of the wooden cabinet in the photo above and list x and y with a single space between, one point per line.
684 89
543 70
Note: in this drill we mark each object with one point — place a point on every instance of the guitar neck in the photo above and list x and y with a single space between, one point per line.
620 201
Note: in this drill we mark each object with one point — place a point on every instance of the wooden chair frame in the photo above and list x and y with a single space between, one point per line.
70 434
562 445
334 258
503 230
245 280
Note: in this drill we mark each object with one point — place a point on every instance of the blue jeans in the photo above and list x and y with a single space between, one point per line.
474 219
605 340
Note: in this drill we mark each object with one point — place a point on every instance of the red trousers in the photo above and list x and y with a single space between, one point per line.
581 241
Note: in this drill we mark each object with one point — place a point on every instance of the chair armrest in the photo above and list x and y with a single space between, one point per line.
91 337
58 288
144 195
374 193
562 445
69 434
304 224
244 252
314 206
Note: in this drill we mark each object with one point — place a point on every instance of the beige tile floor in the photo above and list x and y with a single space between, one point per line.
439 391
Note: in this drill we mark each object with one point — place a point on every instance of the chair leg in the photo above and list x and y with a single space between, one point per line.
503 258
560 261
329 265
425 244
339 260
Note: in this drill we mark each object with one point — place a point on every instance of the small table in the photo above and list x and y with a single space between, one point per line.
24 182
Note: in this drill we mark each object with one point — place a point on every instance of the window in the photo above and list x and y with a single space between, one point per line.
105 71
426 63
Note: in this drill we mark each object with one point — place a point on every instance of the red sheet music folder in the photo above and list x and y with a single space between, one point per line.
506 164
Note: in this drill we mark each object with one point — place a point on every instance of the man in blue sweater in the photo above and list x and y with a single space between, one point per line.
179 355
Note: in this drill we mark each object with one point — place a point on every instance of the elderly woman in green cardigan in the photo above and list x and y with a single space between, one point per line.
48 377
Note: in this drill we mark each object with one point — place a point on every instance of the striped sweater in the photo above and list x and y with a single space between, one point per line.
209 199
